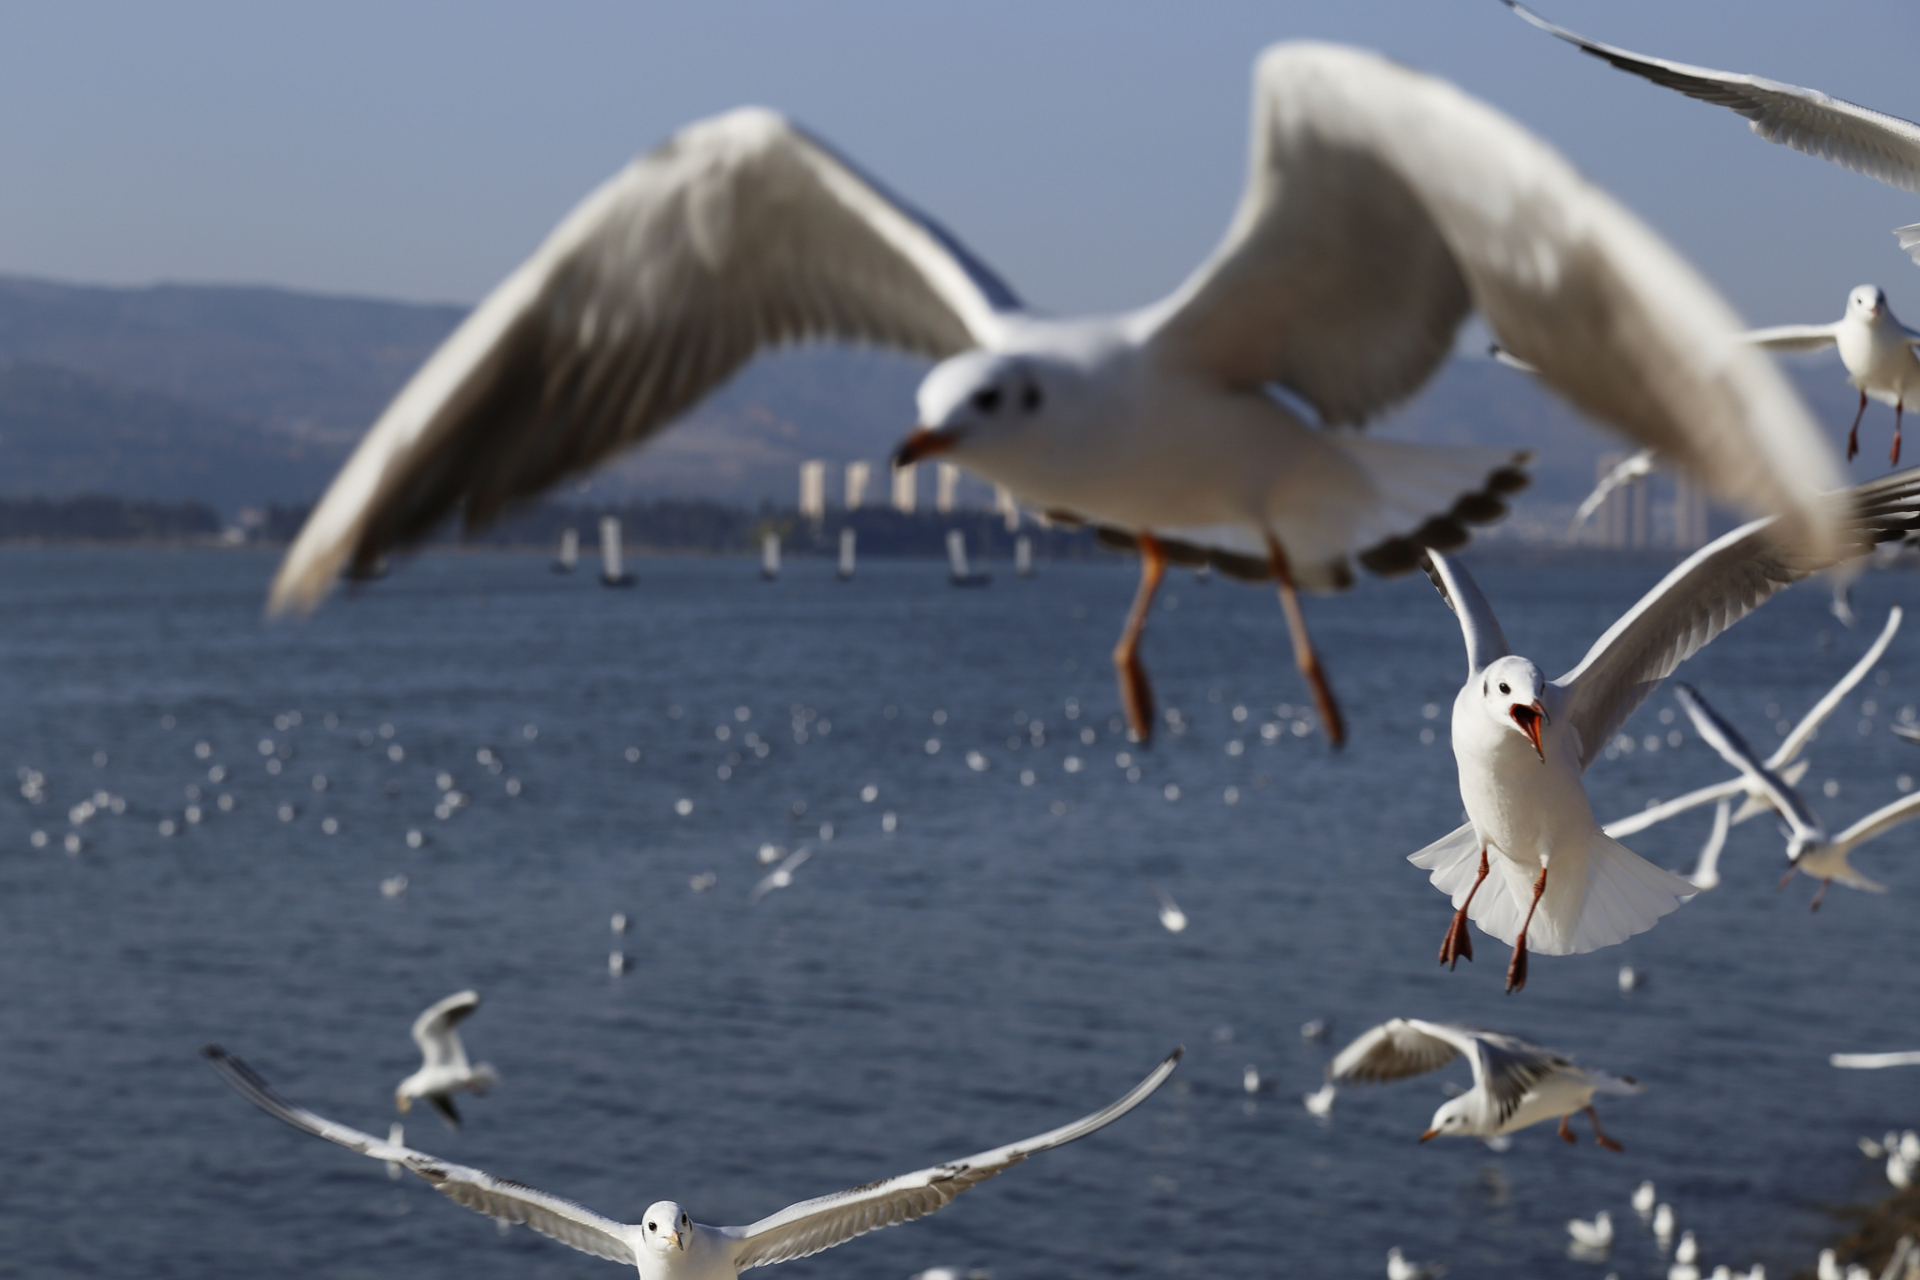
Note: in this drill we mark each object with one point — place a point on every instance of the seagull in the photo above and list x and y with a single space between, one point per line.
1809 848
781 876
1595 1235
1629 978
1642 1201
1637 466
1172 918
1250 1079
1706 868
1320 1101
1663 1225
1382 207
443 1059
1869 142
1874 1061
1784 760
1875 347
1515 1083
1523 743
1398 1268
1829 1266
666 1244
1688 1251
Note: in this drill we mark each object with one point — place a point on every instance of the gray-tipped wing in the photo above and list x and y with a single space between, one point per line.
563 1220
1382 205
1505 1066
434 1030
1711 590
1870 142
1478 627
813 1225
738 234
1733 748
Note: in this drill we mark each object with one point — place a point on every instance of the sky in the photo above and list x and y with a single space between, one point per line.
1091 153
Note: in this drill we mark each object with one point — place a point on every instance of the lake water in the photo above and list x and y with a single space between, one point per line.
990 967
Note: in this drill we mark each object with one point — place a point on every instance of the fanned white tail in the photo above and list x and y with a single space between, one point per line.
1624 894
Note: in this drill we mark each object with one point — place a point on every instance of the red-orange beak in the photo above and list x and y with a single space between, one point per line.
925 442
1429 1134
1530 718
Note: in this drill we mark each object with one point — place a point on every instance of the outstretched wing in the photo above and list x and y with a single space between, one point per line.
1790 745
1399 1048
1724 738
434 1030
740 233
1883 819
1794 337
1382 205
813 1225
1711 590
1507 1066
1870 142
1481 630
563 1220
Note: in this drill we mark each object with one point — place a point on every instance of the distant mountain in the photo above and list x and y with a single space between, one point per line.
233 395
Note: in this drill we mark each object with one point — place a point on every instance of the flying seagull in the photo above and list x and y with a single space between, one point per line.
1809 848
1866 141
1785 759
666 1244
1382 207
1522 742
1876 349
444 1070
1515 1083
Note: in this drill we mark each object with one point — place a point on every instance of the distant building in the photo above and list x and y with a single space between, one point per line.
813 489
906 488
858 474
947 477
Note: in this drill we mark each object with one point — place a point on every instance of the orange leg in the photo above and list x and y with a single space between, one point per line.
1136 695
1457 946
1303 656
1517 967
1593 1117
1567 1133
1818 894
1853 436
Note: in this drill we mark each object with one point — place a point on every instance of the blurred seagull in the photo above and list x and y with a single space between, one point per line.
443 1067
781 876
1829 1266
1522 743
1809 848
1320 1101
1876 349
1636 467
667 1244
1382 207
1642 1201
1663 1225
1595 1235
1515 1083
1784 760
1398 1268
1869 142
1172 918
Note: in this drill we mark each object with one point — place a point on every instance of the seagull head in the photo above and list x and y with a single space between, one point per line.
1867 302
977 402
1511 689
1452 1119
666 1227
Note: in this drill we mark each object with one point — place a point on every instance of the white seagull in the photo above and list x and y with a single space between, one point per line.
1809 848
666 1244
1785 759
444 1070
1642 1200
1636 466
1172 918
1515 1083
1595 1235
1522 742
1875 347
1399 1268
1873 1061
1869 142
1382 207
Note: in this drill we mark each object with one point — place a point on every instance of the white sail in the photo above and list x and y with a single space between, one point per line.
1023 556
568 556
770 555
846 554
612 572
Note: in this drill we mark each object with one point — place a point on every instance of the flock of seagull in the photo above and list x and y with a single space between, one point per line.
1217 426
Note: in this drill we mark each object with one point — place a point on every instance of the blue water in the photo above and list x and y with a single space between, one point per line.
990 968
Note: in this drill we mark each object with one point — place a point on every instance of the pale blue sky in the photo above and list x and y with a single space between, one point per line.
1092 153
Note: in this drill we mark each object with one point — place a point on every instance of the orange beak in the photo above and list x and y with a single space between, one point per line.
924 442
1431 1133
1530 718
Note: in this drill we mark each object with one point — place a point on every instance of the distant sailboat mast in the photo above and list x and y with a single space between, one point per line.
846 555
769 555
962 575
612 573
568 556
1023 556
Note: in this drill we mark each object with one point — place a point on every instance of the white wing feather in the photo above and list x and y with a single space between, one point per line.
1478 627
1794 337
1382 205
434 1030
1725 739
821 1223
550 1215
740 233
1880 820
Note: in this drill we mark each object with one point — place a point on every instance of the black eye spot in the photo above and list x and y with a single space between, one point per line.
1503 687
1030 398
651 1227
987 401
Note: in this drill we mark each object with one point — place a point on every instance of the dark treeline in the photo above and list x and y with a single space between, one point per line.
99 518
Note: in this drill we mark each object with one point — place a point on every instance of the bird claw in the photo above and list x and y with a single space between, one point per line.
1457 945
1517 967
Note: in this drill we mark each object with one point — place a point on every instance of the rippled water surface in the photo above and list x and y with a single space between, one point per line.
988 968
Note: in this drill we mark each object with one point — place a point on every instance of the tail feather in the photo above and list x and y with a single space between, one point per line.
1607 1082
1624 894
